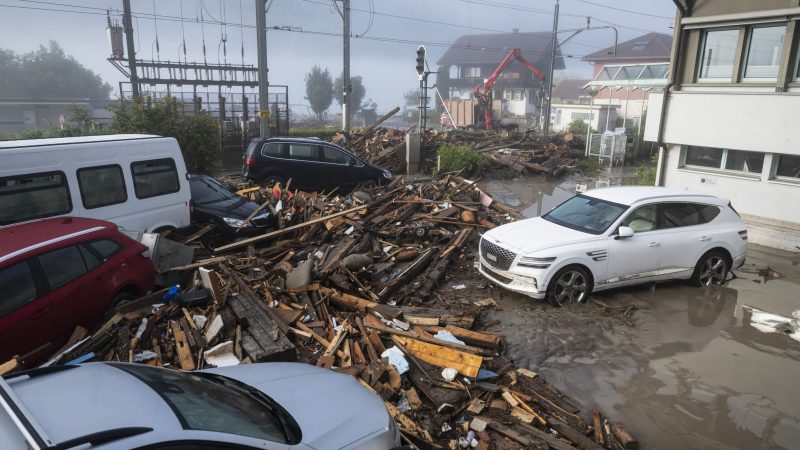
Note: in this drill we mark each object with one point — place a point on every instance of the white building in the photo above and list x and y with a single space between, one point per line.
597 115
728 122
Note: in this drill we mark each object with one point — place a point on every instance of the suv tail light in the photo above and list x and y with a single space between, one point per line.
743 235
250 161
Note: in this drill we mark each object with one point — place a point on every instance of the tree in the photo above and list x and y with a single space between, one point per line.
198 135
48 72
357 92
319 90
412 97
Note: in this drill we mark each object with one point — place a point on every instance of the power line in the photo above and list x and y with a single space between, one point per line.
624 10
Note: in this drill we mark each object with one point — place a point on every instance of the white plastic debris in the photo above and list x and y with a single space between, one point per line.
146 355
279 205
449 374
140 330
350 230
387 249
221 355
460 286
396 358
446 427
448 336
402 325
214 328
319 254
200 320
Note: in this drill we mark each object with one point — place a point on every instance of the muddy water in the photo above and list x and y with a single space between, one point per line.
699 368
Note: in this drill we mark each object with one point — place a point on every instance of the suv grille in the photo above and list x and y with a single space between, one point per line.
497 256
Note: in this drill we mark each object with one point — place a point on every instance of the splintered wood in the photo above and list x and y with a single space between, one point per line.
353 283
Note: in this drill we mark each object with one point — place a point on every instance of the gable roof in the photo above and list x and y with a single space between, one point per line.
492 48
651 46
570 89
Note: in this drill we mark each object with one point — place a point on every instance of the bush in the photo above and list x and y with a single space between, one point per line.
578 127
588 165
647 175
454 158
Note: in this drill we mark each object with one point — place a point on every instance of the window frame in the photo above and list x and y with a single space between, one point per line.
347 156
83 194
39 289
701 54
776 159
282 145
174 170
723 162
65 185
745 55
44 274
289 156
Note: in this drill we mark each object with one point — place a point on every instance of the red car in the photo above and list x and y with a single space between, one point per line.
56 274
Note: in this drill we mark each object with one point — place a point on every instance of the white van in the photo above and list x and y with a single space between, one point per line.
136 181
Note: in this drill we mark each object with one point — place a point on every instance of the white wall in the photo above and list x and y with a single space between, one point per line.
519 107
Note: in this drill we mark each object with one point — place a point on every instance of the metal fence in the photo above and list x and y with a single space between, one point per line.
609 147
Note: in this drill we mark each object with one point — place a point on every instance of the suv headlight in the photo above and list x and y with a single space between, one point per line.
535 262
235 223
387 174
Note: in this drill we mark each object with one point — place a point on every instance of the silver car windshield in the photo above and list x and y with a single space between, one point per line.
211 402
586 214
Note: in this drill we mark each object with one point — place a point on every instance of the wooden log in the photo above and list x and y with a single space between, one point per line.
624 437
575 436
182 347
528 442
359 304
597 424
465 363
434 341
476 338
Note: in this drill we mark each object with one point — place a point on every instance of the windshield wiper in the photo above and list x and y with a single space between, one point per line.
101 437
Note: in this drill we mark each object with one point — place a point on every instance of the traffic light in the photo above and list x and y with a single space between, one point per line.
421 60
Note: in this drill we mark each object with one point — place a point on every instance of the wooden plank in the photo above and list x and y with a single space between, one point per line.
467 364
274 343
198 233
182 347
597 424
470 337
434 341
244 242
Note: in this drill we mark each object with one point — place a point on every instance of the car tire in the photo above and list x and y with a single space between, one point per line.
571 284
712 269
122 298
272 181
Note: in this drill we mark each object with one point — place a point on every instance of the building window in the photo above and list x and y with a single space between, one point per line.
473 72
787 166
508 94
641 45
718 55
797 66
102 186
517 94
155 177
582 116
725 160
763 54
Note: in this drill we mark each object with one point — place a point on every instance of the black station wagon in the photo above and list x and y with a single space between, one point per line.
312 165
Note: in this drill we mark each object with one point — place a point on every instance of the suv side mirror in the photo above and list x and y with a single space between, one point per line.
624 232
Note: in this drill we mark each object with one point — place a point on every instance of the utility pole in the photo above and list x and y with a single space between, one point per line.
346 68
263 81
554 45
127 22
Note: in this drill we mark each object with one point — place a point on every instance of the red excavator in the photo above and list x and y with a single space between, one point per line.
482 91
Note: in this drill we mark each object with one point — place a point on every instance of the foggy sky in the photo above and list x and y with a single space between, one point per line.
387 67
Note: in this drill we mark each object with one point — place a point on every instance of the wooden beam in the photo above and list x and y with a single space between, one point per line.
466 364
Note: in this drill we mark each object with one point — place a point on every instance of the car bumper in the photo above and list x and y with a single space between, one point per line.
738 262
513 282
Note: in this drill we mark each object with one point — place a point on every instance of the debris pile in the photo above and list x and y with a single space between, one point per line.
349 283
521 152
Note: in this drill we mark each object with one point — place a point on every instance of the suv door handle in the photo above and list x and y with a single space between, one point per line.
705 238
655 244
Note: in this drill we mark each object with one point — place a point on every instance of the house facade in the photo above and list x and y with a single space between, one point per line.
727 122
646 49
473 58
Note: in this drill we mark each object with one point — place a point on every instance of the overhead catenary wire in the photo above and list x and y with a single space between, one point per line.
601 5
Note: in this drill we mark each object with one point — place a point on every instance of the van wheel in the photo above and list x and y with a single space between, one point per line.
272 181
571 284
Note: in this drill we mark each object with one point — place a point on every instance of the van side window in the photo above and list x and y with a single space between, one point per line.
304 152
33 196
274 149
62 266
102 186
155 177
17 286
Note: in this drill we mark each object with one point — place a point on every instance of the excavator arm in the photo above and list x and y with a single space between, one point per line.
482 91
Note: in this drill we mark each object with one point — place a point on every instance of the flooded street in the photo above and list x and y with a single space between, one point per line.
696 368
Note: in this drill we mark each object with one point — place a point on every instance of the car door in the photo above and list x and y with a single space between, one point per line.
684 236
26 314
304 166
75 291
341 168
636 258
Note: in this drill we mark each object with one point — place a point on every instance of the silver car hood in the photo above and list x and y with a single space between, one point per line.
332 409
530 235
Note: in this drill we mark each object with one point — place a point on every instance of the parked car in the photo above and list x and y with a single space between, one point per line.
311 164
614 237
212 202
136 181
267 406
56 274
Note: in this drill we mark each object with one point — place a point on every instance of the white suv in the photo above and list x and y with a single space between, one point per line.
612 237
